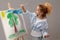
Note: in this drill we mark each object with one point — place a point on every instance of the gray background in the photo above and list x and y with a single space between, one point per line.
53 19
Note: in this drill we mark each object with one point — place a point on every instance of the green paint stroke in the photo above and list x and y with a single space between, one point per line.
12 36
15 35
22 31
12 19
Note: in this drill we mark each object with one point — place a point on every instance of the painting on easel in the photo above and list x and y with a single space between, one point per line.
13 25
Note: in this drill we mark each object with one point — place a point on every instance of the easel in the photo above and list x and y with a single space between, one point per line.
22 37
10 8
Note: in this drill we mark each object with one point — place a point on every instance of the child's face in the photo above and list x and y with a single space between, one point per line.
38 11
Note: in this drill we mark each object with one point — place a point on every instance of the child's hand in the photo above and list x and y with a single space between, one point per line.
46 36
23 8
21 5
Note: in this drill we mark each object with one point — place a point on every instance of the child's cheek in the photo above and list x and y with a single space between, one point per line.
37 12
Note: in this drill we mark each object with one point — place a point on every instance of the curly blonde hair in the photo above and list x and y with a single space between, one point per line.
49 7
46 9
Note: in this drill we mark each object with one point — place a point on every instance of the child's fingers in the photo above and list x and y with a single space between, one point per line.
21 5
47 36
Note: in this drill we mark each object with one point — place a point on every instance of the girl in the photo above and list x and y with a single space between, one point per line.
39 20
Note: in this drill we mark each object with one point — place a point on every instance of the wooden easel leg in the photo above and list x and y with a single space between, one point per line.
14 39
17 38
22 37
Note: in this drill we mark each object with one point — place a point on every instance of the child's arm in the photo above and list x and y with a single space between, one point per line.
23 7
45 34
42 26
44 30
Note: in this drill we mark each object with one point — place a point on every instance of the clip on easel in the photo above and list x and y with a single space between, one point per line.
10 8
